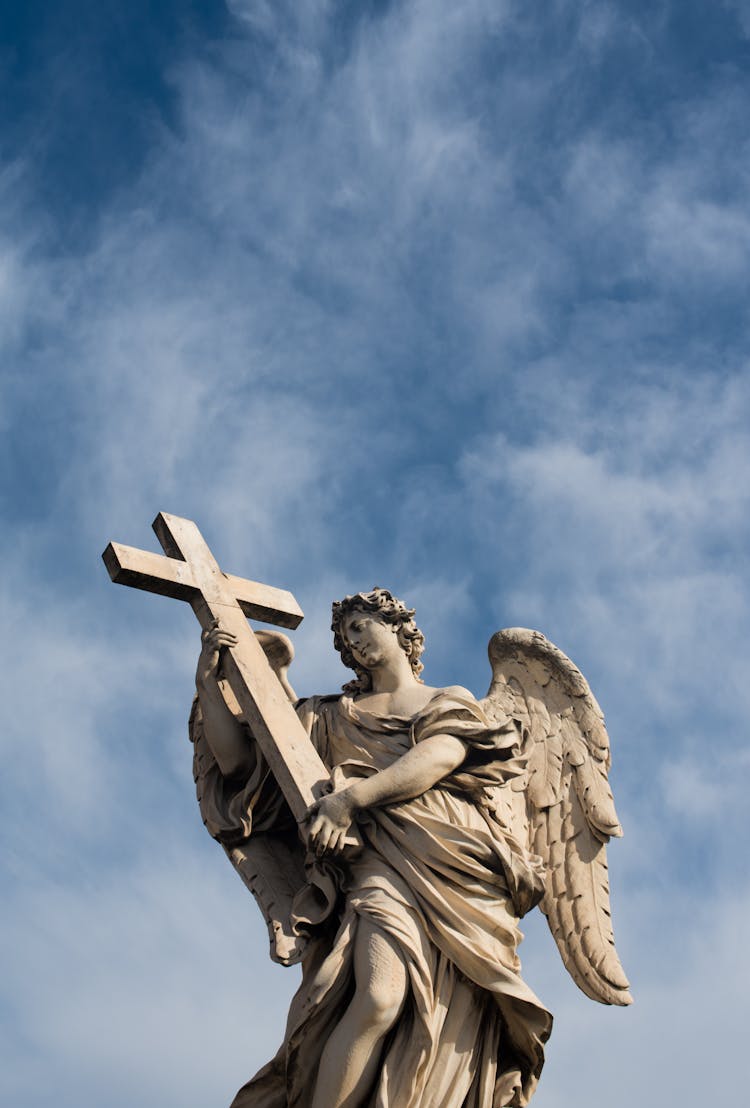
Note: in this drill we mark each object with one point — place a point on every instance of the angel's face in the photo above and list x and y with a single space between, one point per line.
372 641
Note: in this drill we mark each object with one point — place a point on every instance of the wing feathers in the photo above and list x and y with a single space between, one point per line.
545 771
595 795
587 880
591 782
570 808
577 902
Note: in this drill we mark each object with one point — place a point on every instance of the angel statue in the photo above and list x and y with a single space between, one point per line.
466 813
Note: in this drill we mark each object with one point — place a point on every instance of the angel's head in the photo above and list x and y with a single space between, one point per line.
380 607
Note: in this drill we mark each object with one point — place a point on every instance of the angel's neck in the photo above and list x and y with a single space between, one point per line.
394 675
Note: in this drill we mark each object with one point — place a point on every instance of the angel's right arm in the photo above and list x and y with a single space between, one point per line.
226 738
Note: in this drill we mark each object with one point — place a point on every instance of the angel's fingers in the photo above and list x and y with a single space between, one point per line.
324 840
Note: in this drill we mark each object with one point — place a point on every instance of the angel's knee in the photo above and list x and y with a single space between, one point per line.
381 980
379 1003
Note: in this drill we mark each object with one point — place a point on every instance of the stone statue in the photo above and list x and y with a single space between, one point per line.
400 889
470 813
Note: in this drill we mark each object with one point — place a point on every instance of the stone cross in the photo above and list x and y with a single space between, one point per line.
190 572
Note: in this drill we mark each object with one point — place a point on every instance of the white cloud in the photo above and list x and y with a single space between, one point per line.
677 1042
701 237
709 787
620 515
142 986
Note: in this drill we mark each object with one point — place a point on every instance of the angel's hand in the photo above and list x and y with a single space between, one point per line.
330 818
213 640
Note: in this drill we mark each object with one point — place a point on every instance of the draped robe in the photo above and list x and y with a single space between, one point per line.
442 876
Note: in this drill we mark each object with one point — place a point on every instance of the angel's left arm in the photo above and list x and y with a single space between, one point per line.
412 774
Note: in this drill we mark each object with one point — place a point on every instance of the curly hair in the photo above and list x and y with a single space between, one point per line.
390 610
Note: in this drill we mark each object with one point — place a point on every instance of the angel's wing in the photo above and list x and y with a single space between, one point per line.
564 803
270 863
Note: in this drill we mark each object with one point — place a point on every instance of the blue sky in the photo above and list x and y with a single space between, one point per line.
449 297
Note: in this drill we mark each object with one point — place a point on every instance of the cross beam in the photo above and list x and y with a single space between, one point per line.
190 572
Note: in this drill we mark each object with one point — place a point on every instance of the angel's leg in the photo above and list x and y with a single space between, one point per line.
352 1054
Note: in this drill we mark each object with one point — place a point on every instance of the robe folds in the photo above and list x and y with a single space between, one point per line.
443 877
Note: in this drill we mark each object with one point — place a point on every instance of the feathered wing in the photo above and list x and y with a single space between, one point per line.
271 862
564 804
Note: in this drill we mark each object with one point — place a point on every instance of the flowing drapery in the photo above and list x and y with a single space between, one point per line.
443 878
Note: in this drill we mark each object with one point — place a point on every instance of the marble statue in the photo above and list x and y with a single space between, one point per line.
443 820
